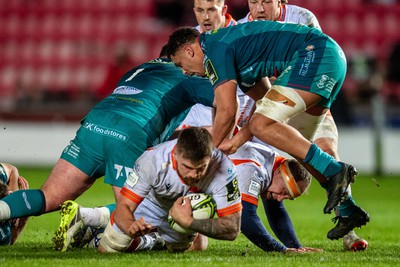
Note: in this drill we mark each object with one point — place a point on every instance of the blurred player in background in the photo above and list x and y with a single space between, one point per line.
11 181
326 136
160 179
145 108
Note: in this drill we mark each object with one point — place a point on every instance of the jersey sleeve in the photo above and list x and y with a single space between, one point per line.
138 184
227 194
220 64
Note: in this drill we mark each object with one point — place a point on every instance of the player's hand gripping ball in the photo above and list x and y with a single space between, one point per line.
203 207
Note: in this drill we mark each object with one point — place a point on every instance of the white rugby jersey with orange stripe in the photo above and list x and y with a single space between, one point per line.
255 164
155 177
291 14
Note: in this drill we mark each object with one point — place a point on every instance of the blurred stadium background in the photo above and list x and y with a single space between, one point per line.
58 58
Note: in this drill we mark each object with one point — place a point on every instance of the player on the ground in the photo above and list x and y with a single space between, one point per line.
256 50
11 181
145 108
263 173
160 179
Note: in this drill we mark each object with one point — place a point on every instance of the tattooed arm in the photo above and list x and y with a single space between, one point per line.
224 228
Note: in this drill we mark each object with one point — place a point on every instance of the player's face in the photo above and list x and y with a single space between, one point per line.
278 189
210 15
190 61
264 9
191 172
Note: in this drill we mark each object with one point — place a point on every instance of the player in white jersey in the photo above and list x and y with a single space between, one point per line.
326 136
161 178
262 173
279 10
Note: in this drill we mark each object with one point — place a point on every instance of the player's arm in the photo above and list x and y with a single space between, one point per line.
123 217
281 223
224 228
226 109
256 92
255 231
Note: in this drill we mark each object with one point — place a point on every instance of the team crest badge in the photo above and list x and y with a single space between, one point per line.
210 71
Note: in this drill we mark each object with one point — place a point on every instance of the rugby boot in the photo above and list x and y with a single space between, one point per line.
345 224
336 186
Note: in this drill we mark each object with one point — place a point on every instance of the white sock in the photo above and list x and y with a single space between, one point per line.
5 212
95 217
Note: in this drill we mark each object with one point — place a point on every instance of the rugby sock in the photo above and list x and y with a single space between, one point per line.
347 207
23 203
322 162
96 217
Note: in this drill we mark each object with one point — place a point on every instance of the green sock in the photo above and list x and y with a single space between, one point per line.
346 207
111 207
25 203
322 162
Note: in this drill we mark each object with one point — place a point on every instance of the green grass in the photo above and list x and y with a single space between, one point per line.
378 195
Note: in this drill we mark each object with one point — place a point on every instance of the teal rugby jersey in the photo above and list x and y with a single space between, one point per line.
157 96
250 51
5 227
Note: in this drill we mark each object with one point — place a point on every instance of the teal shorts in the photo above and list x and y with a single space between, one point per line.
106 144
319 67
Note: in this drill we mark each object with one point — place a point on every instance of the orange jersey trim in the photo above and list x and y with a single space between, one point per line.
112 218
278 161
229 210
242 161
250 199
132 196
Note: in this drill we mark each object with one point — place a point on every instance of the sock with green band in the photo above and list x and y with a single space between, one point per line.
347 207
23 203
322 162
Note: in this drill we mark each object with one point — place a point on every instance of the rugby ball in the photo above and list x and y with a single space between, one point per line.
203 207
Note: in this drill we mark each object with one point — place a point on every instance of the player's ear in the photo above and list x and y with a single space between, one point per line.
189 50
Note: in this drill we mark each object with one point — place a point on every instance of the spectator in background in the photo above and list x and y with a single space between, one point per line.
115 70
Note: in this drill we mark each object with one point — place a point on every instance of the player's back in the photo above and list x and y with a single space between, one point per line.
255 48
156 93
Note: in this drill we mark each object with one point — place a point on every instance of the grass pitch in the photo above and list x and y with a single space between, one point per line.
378 195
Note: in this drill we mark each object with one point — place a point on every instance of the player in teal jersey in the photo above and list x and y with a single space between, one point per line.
11 181
311 69
145 108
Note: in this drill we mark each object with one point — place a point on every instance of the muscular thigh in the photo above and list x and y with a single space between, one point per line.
319 68
65 182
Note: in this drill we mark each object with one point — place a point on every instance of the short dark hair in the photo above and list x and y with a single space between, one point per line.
299 173
163 52
4 191
194 144
179 38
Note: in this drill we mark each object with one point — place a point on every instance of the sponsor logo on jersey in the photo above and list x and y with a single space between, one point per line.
307 62
233 190
106 131
132 180
254 188
127 90
326 82
72 150
210 71
168 186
